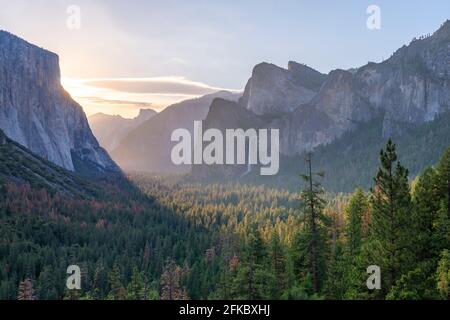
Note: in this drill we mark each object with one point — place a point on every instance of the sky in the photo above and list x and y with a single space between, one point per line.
118 56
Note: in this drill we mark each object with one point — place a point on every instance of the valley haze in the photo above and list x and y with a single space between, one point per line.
133 168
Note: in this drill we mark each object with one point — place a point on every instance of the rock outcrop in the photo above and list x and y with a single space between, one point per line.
274 90
38 113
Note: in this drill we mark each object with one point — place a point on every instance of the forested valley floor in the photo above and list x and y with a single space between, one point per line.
170 240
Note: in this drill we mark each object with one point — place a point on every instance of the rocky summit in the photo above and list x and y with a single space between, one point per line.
38 113
274 90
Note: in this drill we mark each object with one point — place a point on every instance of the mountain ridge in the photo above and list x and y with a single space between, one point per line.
147 148
110 130
409 89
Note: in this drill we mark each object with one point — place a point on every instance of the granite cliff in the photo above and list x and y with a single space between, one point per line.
39 114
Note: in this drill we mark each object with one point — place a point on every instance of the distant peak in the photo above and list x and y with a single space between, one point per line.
219 101
264 67
146 112
101 115
221 92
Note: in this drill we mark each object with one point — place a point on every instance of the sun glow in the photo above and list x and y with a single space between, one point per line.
126 96
103 100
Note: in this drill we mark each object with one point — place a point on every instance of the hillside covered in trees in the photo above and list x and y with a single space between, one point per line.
351 161
151 238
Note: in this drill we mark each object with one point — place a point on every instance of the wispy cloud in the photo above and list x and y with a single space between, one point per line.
125 96
158 85
138 104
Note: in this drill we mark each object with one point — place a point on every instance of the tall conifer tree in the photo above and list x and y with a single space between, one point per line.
391 218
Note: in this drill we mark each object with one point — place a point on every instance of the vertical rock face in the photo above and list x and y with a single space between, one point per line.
310 109
330 113
274 90
38 113
413 85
